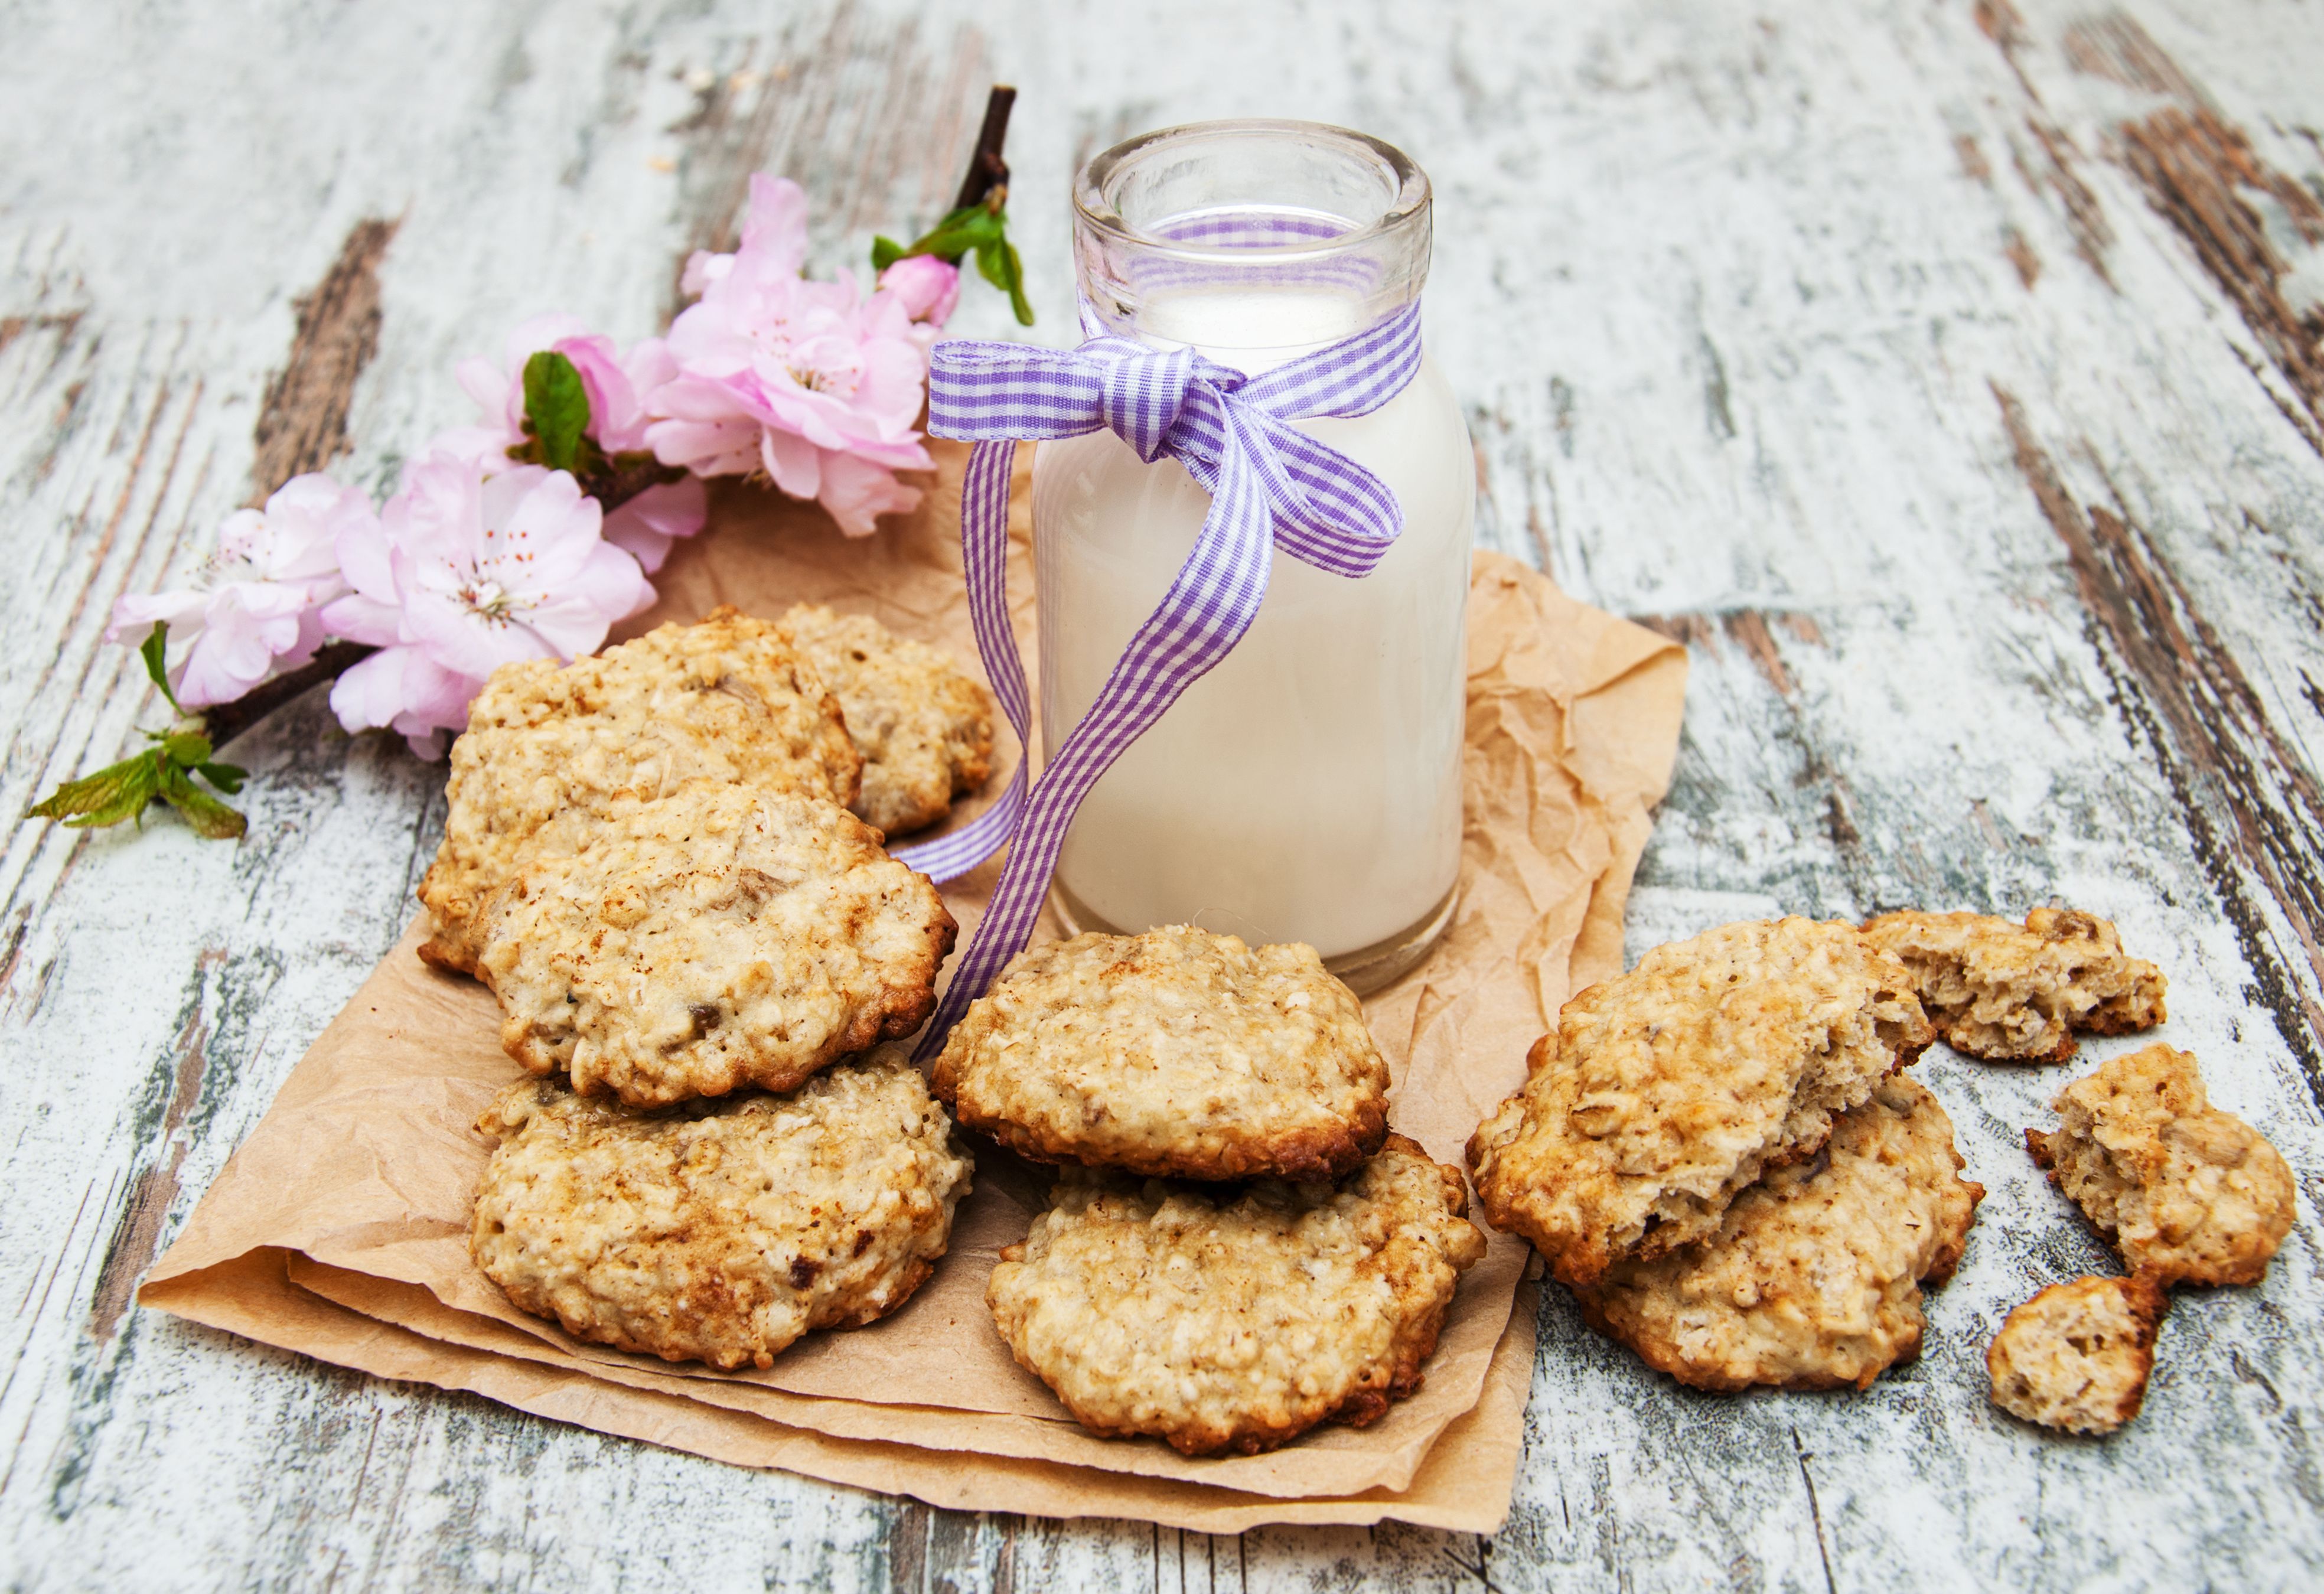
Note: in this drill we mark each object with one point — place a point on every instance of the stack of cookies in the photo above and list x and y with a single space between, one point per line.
1237 1248
651 860
1717 1153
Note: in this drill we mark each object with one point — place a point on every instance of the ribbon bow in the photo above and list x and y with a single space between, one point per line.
1271 486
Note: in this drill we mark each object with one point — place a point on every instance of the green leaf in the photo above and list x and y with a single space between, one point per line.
128 807
998 264
992 263
155 651
1018 302
207 816
118 792
556 408
226 777
956 235
885 252
186 748
124 790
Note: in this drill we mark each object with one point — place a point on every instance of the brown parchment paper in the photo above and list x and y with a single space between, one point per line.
340 1227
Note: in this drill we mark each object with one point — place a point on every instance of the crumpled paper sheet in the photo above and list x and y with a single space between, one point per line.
340 1228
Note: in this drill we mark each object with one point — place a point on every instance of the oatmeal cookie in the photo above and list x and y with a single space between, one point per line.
2017 993
1813 1277
1235 1321
1663 1092
1173 1052
924 728
2076 1355
2187 1193
548 745
723 935
719 1232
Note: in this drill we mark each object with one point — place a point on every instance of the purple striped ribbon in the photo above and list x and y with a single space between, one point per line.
1271 485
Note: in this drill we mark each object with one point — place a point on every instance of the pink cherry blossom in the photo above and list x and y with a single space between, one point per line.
617 384
617 388
256 609
930 287
808 382
469 571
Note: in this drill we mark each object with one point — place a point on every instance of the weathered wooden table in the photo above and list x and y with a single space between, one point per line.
1946 375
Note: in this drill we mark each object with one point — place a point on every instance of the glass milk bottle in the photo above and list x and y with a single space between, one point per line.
1308 788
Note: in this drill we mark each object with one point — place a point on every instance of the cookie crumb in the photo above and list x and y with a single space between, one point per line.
2076 1355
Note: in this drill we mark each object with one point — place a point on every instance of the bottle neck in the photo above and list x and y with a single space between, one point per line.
1252 328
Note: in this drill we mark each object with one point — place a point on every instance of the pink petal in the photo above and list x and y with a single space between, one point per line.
856 492
616 417
708 448
487 387
644 526
544 535
694 397
703 269
305 645
613 582
362 549
457 640
434 698
485 447
247 624
134 615
228 662
359 619
370 692
438 519
649 364
649 548
775 229
401 688
794 464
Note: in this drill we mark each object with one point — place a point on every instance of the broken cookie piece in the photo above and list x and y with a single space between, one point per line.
2187 1193
2076 1355
1663 1093
1813 1277
2019 993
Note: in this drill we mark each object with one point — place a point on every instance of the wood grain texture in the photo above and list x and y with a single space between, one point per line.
1943 374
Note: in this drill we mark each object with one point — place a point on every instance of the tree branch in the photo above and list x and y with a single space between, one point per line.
226 721
986 169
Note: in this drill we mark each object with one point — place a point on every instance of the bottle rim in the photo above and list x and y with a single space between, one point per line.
1098 180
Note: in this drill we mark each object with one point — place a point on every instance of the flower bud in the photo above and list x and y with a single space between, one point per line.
930 287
